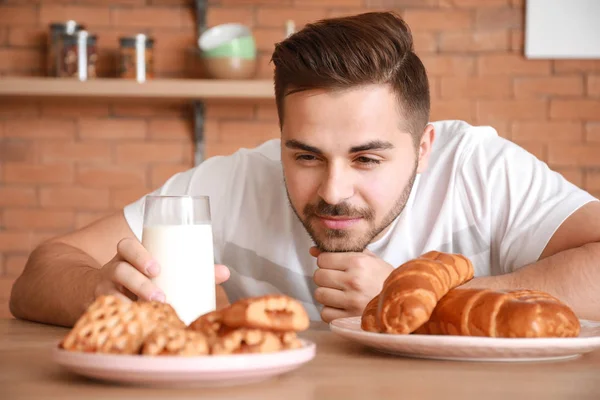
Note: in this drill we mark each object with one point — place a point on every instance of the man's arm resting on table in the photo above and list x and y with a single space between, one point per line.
569 267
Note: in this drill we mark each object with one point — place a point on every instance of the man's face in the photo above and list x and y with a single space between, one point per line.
349 166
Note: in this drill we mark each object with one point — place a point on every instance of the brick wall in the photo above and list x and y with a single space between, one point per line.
63 164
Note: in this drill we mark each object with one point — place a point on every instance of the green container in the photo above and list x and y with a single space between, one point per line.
227 41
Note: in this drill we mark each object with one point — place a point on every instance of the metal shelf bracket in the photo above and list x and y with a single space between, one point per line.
197 105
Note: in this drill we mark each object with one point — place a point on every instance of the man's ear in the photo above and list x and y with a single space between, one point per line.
425 147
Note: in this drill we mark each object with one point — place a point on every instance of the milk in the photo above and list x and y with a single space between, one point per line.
187 274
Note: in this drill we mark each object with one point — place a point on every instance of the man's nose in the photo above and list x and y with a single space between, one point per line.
337 185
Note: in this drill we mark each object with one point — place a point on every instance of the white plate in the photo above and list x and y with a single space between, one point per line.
470 348
225 370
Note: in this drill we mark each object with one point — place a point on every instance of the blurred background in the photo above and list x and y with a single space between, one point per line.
65 162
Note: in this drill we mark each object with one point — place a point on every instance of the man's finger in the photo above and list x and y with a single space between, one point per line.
331 297
329 278
221 273
136 282
314 251
132 251
337 261
328 314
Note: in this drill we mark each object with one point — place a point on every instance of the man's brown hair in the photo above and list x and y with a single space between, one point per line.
345 52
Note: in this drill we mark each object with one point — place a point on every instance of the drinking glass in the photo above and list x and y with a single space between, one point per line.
178 234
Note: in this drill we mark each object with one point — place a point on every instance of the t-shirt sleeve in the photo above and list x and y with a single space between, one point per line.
526 201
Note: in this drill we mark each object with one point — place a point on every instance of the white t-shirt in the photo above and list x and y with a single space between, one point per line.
482 196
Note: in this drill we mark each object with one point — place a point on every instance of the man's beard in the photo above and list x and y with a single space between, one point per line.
342 240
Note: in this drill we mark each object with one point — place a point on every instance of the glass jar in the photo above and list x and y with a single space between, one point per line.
57 30
78 56
136 60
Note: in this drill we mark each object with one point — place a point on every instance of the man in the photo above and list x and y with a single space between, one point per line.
359 183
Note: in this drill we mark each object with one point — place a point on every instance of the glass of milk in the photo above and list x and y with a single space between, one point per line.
178 234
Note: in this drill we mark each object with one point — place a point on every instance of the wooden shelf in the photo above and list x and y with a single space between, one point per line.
167 89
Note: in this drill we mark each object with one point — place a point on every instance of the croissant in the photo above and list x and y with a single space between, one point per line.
368 322
411 291
507 314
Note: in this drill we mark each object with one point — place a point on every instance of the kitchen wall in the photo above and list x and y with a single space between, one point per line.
66 163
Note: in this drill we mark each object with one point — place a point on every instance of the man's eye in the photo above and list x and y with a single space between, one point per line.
305 157
367 160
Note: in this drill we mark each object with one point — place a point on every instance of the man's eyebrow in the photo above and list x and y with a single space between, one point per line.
372 145
297 145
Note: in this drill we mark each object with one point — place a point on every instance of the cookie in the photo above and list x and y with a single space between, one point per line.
289 340
243 340
110 325
171 341
272 312
163 314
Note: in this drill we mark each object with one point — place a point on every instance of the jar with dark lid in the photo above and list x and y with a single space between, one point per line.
57 30
136 60
78 56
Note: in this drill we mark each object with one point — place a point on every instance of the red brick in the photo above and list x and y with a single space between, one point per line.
18 15
344 12
38 238
248 133
155 17
475 3
169 2
512 109
14 264
249 2
117 2
511 64
574 155
230 111
84 218
573 175
98 152
499 18
592 132
592 180
438 20
40 128
243 15
97 128
28 173
575 109
36 219
27 37
171 129
17 196
110 176
593 85
86 15
220 149
476 88
265 67
17 150
69 108
517 40
455 109
330 3
140 109
401 4
5 289
142 153
539 150
211 130
518 3
545 131
474 41
122 197
15 241
18 107
74 197
446 65
161 172
267 112
267 37
20 59
3 36
546 86
276 17
576 66
425 42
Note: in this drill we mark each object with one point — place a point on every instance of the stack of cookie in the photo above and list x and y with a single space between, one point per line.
253 325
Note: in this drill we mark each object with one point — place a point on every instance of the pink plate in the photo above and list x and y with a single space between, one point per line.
226 370
468 348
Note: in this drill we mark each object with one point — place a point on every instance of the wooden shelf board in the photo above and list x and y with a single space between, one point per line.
174 89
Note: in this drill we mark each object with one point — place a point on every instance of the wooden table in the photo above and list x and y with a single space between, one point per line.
341 370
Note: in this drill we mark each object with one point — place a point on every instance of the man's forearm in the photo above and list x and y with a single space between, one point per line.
572 275
56 286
